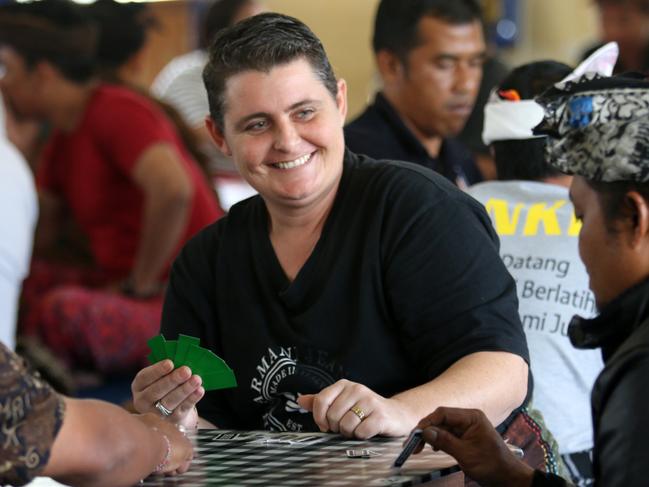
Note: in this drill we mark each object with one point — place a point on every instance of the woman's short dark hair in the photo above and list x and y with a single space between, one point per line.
396 23
261 43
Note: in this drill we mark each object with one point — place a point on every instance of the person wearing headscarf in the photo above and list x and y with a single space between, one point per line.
532 214
598 130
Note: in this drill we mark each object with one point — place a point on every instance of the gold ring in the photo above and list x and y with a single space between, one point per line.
358 412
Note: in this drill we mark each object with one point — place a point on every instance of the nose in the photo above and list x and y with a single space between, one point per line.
286 136
467 78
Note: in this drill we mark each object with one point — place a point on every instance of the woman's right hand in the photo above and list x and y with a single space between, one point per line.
177 390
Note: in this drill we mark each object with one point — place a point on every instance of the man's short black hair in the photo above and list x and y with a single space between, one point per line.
396 23
261 43
525 159
56 31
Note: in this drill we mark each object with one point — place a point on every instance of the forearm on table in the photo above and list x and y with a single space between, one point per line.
495 382
101 444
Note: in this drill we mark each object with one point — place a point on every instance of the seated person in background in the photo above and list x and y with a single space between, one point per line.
627 23
493 72
180 83
351 295
535 221
79 442
599 131
116 166
18 214
123 35
429 54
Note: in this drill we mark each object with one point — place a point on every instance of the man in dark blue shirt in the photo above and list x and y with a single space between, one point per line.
429 55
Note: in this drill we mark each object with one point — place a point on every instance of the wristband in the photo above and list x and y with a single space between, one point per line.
165 461
127 288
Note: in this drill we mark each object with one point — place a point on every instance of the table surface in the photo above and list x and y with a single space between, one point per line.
225 457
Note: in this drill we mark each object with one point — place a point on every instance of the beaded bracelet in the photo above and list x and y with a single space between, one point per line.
167 456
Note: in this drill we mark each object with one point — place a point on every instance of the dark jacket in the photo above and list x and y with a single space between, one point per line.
620 398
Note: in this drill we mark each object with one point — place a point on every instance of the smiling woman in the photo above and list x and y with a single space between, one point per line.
339 295
284 132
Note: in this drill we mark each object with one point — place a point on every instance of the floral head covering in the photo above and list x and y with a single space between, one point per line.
598 127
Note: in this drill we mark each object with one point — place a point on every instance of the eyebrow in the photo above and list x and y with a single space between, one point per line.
241 122
454 57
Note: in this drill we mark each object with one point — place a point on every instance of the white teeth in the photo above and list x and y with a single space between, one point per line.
291 164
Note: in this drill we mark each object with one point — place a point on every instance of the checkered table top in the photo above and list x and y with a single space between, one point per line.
238 458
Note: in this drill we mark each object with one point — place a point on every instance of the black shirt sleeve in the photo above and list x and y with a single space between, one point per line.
189 307
448 287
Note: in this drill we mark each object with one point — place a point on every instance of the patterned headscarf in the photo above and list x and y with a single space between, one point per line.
598 127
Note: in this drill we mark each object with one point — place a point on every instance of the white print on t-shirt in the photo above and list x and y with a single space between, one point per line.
282 374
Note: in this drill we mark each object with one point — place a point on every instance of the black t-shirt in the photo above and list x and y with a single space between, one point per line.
404 281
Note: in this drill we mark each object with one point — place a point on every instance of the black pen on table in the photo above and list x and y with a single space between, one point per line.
414 440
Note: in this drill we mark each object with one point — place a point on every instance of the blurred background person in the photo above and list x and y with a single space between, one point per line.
123 34
429 56
180 83
627 23
18 215
116 167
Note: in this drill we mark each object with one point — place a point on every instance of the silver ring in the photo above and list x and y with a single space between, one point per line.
163 410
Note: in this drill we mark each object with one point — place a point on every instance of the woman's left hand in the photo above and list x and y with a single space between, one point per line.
355 411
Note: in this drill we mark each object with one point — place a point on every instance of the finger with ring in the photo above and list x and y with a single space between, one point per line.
358 412
163 410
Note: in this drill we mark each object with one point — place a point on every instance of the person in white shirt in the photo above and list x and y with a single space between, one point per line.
18 215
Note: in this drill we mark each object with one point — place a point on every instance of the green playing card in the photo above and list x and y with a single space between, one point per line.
157 346
213 363
184 341
194 357
212 369
218 380
170 349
